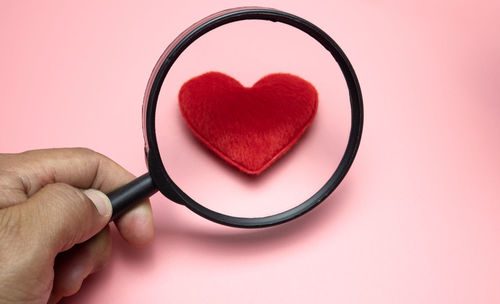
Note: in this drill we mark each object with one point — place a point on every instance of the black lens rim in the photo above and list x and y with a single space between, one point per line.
156 168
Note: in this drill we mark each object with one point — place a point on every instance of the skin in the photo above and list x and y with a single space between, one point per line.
52 235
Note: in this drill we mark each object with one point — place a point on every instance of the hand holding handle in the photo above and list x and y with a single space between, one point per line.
129 195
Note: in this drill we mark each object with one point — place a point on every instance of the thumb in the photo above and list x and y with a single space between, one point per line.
62 216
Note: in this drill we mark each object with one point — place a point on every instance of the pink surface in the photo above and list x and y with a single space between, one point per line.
415 221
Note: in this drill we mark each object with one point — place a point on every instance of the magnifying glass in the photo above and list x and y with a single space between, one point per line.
246 44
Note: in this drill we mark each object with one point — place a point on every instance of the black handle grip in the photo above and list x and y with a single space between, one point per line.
124 198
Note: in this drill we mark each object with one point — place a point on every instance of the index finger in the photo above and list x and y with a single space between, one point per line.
79 167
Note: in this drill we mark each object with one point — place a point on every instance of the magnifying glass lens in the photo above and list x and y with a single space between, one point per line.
237 126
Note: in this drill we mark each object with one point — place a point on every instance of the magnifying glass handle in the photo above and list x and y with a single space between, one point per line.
129 195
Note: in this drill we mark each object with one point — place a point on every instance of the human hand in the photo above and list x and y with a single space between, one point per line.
53 230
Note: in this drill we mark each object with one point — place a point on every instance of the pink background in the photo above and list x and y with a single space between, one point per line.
415 221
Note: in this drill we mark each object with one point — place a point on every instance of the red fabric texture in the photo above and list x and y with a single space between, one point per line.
252 127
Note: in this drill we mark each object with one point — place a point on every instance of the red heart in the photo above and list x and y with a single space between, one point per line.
248 127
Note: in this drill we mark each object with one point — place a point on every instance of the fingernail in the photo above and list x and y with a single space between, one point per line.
100 200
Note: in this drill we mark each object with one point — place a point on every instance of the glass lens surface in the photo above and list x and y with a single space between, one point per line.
247 51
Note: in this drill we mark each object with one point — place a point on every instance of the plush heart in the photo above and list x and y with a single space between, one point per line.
248 127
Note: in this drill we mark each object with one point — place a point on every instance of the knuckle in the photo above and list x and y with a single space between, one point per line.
87 153
84 151
90 154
